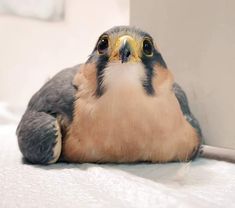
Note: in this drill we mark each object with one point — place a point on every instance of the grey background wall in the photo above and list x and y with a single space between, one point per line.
197 40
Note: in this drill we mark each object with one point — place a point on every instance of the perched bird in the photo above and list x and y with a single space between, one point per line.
121 105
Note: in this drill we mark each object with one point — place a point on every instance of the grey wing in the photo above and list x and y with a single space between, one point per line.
57 96
37 132
183 101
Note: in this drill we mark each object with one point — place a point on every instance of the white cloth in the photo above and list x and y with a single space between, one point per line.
202 183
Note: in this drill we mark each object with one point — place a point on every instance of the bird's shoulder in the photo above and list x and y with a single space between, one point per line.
56 96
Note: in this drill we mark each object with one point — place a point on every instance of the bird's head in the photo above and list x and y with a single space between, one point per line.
128 51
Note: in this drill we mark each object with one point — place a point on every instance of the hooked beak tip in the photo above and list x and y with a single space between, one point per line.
125 53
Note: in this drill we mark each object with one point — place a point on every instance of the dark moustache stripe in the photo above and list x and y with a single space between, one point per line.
101 64
149 63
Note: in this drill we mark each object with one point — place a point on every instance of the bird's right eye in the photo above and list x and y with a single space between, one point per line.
103 44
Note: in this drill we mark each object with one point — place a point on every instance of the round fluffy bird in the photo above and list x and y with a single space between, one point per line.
121 105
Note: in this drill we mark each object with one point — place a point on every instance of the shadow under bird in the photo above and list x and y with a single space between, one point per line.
121 105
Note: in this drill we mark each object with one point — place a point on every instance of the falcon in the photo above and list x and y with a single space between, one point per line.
122 105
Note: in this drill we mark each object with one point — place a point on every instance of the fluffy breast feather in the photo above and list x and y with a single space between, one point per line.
125 124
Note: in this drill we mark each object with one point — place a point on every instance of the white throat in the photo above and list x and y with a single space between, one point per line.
120 76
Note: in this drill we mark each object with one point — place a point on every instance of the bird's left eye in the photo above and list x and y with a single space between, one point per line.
102 45
148 47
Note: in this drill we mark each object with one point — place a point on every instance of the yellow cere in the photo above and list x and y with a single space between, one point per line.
135 46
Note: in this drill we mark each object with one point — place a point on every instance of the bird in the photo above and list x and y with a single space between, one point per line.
122 105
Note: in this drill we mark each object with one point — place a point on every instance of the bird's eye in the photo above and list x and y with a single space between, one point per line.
103 44
148 47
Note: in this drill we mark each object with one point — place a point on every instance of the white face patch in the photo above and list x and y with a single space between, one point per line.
118 75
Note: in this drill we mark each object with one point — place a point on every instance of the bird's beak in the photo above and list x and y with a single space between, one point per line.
125 49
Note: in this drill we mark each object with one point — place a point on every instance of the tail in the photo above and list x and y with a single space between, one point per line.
217 153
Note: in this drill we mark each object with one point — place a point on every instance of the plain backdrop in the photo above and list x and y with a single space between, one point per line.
196 38
32 51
